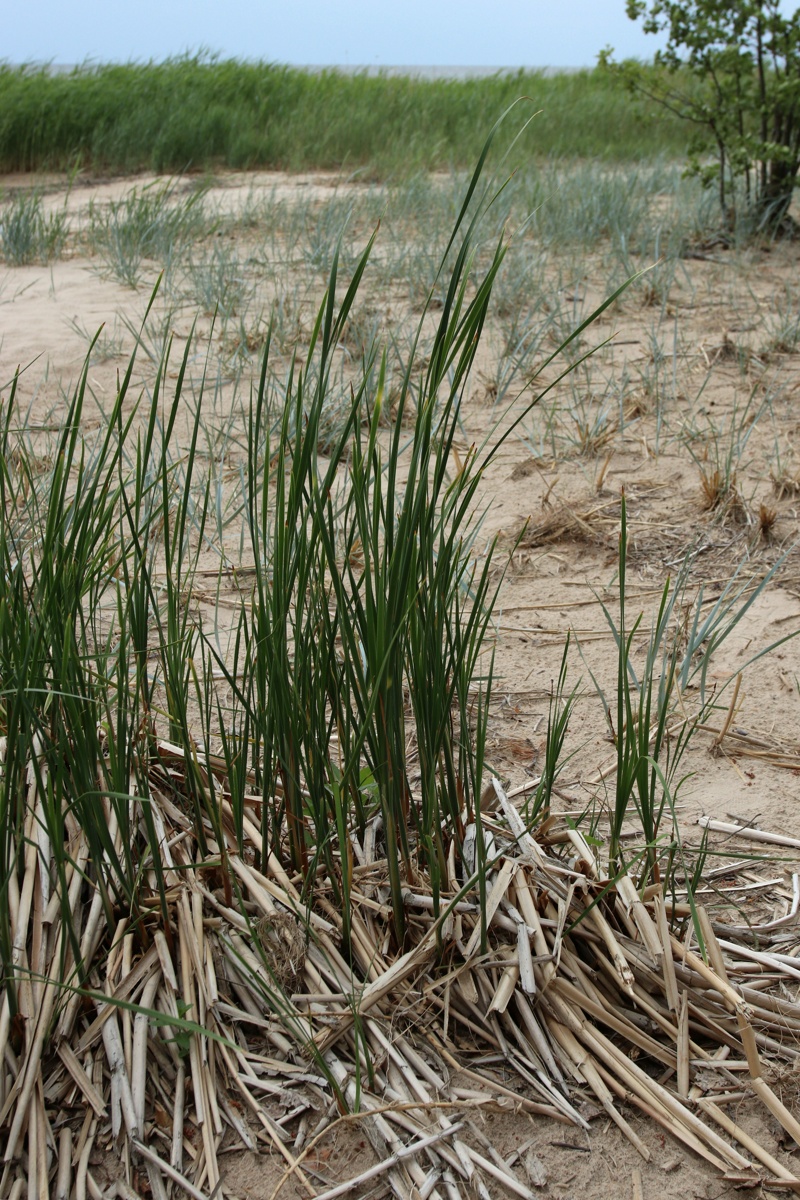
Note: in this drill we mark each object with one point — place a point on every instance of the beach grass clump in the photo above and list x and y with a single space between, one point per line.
217 283
366 597
154 223
28 234
100 654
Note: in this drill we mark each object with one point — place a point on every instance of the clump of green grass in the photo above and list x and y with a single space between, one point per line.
651 717
364 594
27 233
154 223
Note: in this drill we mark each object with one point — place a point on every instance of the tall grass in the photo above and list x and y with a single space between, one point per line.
364 592
361 632
198 113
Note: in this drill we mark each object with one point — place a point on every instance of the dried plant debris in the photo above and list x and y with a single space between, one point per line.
207 1023
592 523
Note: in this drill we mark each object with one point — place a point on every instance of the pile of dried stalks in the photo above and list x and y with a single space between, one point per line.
580 985
590 523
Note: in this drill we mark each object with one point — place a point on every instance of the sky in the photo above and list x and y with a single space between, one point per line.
506 33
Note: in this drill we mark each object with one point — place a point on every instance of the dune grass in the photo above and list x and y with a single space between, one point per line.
196 114
363 624
27 233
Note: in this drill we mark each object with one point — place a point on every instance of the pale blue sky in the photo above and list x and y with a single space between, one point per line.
507 33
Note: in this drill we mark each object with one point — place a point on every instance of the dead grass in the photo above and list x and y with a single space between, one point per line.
588 522
540 998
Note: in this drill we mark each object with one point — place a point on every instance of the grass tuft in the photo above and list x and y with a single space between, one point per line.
27 233
153 223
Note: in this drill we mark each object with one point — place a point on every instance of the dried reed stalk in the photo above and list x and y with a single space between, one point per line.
227 1013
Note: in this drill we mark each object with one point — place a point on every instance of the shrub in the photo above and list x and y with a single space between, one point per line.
733 71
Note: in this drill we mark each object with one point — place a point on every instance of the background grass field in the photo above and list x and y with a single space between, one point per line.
194 114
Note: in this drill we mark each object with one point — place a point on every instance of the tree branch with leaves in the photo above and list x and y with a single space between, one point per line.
733 71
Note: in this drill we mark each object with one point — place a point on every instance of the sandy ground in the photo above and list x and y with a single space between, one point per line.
722 380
